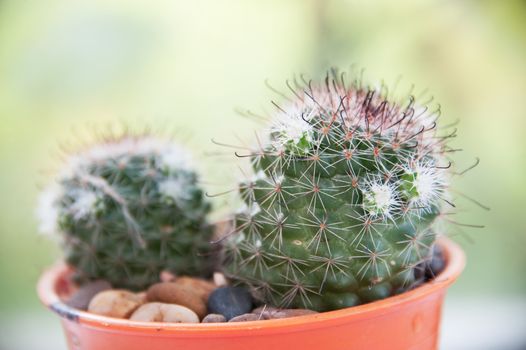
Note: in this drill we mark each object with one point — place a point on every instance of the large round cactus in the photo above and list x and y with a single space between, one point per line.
127 209
347 185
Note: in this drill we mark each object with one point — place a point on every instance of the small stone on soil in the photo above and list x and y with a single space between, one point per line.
200 286
167 276
269 313
220 279
436 264
159 312
82 297
174 293
213 318
230 302
245 318
115 303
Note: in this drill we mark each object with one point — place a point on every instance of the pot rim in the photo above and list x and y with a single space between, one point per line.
455 263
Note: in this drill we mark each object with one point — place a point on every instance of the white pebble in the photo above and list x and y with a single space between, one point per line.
159 312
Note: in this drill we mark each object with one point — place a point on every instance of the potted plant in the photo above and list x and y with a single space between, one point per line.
338 228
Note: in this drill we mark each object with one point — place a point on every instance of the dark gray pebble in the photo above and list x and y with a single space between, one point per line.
431 267
436 264
230 302
80 300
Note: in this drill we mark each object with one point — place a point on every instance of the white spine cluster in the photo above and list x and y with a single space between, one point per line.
380 199
47 211
174 189
171 156
291 131
85 205
427 182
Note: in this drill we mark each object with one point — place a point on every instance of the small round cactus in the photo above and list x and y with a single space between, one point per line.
347 185
127 209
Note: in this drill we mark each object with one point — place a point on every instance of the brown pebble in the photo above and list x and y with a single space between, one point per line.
175 293
115 303
159 312
82 297
269 312
213 318
245 318
199 286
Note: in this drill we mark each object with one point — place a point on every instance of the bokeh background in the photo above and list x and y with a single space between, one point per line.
68 67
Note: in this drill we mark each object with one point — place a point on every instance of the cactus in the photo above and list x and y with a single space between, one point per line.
128 208
348 185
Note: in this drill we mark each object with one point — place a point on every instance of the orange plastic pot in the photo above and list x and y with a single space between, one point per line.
407 321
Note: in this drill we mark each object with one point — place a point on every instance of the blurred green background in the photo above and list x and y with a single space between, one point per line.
67 67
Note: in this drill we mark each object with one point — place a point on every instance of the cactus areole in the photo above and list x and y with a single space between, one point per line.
128 208
348 183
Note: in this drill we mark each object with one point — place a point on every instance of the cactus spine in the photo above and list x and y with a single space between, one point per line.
340 211
128 208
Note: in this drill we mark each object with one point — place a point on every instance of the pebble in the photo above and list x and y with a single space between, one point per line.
82 297
159 312
180 294
213 318
270 313
436 264
428 269
286 313
245 318
115 303
220 279
230 302
167 276
265 311
199 286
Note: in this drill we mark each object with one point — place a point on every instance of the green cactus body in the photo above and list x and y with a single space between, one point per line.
340 210
128 209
